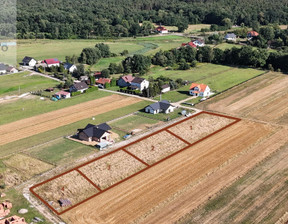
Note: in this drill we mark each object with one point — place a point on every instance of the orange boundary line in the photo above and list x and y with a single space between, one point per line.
140 160
170 132
123 148
90 181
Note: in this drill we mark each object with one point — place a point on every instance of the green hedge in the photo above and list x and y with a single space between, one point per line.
91 89
75 93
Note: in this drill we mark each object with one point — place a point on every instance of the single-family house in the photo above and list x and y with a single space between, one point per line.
98 133
199 43
80 86
125 81
139 83
11 69
161 29
163 106
2 69
199 90
84 78
70 67
28 61
63 94
189 44
165 88
52 62
13 220
102 81
230 37
252 34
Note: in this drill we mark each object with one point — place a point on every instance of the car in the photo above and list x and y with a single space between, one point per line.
100 86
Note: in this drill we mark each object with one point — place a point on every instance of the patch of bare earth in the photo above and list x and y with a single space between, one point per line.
72 186
156 147
41 123
150 197
112 169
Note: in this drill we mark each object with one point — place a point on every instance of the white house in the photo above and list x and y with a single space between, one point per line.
162 106
63 94
165 88
199 43
80 86
52 62
2 69
70 67
28 61
199 90
161 29
230 37
11 69
139 83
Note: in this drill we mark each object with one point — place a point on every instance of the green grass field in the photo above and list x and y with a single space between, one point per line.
24 108
161 116
11 84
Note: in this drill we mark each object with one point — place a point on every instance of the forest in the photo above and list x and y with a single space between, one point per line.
120 18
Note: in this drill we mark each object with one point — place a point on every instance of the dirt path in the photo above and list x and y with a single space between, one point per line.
48 121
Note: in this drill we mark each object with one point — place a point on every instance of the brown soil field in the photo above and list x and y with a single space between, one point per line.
150 192
72 186
263 98
48 121
112 169
200 126
27 166
156 147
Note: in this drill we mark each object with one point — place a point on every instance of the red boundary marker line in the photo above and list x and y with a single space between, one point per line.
90 181
123 149
140 160
172 133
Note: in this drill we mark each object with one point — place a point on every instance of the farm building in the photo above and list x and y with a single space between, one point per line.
28 61
11 69
5 208
52 62
230 37
163 106
252 34
161 29
125 81
70 67
78 87
63 94
65 202
139 83
96 133
199 90
13 220
165 88
2 69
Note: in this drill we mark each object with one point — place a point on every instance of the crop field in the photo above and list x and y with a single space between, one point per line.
45 122
23 82
120 165
264 98
161 194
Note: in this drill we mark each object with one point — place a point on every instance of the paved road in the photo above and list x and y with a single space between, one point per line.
41 74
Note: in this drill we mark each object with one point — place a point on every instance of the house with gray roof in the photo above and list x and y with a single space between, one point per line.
160 107
79 86
139 83
97 133
2 69
230 37
70 67
28 61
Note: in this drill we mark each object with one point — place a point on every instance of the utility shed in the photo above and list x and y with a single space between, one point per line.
64 202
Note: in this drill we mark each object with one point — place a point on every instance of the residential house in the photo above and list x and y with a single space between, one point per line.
70 67
11 69
13 220
28 61
191 44
80 86
139 83
102 81
252 34
230 37
2 69
84 78
199 90
199 43
98 75
161 29
165 88
98 133
52 62
163 106
63 94
125 81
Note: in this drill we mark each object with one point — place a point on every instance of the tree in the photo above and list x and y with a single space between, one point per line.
105 73
267 32
69 82
104 49
113 82
92 80
183 65
226 22
80 71
113 68
90 56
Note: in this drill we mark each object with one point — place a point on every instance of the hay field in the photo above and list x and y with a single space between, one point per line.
263 98
112 169
200 126
72 186
155 189
156 147
41 123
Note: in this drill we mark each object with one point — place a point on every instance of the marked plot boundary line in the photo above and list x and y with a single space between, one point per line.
123 149
90 181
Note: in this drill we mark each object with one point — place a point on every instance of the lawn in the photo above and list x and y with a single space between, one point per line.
24 108
70 129
162 116
175 95
134 122
196 28
22 83
105 62
225 46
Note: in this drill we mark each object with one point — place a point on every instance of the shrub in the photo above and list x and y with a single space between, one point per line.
75 93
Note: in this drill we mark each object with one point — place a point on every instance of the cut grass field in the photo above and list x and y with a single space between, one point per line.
11 84
162 116
196 28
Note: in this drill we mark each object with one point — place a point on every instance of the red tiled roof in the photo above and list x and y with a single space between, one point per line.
201 87
62 93
51 61
160 28
103 81
128 78
191 44
253 33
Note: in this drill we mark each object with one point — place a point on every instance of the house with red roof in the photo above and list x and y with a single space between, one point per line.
197 89
63 94
102 81
52 62
125 81
252 34
161 29
189 44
